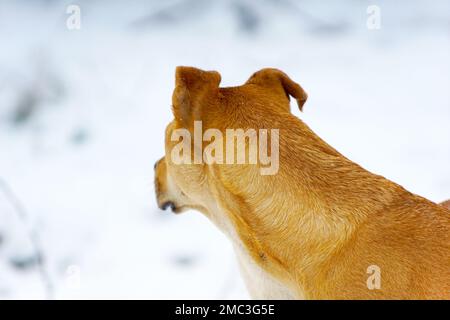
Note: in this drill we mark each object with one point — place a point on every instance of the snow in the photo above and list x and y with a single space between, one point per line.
80 161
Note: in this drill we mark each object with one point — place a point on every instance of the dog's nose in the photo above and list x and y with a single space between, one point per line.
154 166
168 204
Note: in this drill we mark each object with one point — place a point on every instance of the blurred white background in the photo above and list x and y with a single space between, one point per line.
83 112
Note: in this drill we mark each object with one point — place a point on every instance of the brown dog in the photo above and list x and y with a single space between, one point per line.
322 227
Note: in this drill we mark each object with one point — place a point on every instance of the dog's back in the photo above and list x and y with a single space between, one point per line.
408 243
446 204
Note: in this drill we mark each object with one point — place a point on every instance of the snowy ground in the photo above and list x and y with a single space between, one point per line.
83 112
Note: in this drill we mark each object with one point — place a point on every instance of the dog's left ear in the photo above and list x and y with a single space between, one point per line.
193 88
277 80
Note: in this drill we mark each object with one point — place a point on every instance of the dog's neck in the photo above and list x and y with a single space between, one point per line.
306 214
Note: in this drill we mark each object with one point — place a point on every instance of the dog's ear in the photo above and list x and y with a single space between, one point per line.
277 80
192 89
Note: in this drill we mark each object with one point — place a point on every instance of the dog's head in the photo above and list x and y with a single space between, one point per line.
197 171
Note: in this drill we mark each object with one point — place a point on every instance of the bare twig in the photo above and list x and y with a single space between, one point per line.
32 233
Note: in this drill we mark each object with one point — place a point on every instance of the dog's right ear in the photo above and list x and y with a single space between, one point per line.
192 89
278 81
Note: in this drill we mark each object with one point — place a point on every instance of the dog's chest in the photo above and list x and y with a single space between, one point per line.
260 284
